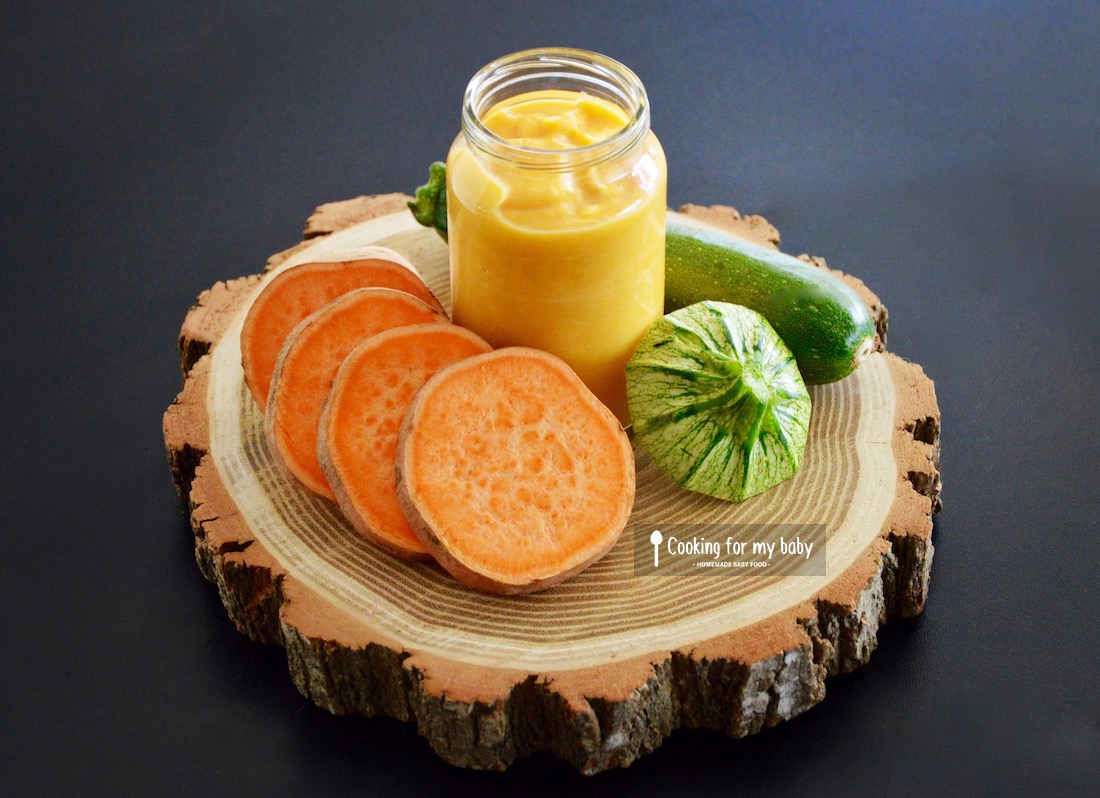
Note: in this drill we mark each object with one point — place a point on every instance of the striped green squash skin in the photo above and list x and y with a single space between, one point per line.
717 400
822 320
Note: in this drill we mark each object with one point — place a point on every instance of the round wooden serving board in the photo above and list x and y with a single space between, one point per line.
602 668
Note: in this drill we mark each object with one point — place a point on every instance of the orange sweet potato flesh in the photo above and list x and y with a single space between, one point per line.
512 473
369 399
301 290
309 361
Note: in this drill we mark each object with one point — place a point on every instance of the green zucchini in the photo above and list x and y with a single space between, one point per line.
717 400
822 320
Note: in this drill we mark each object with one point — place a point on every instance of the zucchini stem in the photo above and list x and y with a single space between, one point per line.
430 206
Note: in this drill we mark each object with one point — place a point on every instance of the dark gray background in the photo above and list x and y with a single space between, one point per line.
946 153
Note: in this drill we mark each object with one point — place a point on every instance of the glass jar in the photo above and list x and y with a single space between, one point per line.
556 212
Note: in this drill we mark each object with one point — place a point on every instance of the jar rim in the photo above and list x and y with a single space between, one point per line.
506 76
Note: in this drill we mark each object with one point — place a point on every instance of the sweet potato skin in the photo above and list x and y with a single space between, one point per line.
430 337
460 570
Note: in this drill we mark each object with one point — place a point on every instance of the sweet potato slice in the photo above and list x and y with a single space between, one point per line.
513 474
301 290
309 361
357 443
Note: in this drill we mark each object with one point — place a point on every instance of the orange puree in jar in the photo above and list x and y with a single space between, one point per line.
556 219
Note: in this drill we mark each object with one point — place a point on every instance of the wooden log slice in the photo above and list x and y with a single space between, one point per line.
602 668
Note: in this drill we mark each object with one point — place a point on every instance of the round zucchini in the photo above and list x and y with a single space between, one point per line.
717 400
823 321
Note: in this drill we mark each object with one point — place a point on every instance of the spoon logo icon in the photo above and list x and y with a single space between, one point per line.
656 539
